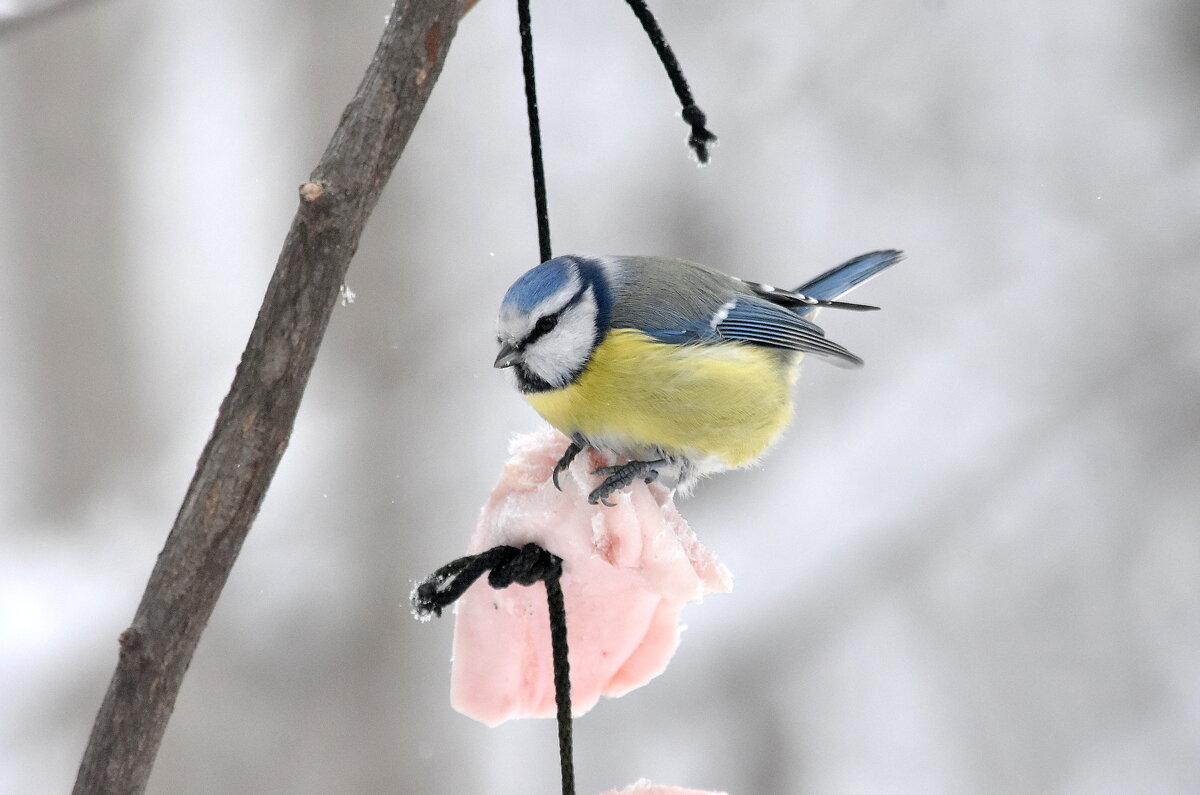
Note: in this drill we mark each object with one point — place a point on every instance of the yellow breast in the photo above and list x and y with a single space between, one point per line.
726 401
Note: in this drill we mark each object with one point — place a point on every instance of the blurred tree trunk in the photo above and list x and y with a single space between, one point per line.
21 12
257 416
72 269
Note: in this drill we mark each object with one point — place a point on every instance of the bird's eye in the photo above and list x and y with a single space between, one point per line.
545 324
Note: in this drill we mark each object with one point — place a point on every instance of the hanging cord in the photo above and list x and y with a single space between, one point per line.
523 566
701 136
699 140
535 130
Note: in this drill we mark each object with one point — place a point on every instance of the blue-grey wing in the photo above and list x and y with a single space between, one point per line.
756 320
671 300
681 302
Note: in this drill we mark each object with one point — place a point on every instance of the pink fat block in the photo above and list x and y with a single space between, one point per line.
628 570
644 787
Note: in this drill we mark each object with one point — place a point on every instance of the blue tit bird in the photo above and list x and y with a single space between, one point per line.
678 369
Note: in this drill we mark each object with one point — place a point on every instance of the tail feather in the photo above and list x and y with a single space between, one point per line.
845 277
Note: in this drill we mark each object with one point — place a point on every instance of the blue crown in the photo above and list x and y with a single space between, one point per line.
538 284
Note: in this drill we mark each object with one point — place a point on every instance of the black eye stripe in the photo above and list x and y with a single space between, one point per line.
546 323
542 327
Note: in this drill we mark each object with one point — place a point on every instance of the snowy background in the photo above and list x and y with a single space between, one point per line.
972 566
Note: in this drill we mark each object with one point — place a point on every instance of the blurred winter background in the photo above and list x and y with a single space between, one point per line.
973 566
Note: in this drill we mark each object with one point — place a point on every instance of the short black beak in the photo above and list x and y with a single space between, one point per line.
508 356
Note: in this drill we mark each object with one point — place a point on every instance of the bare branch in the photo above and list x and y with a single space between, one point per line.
256 417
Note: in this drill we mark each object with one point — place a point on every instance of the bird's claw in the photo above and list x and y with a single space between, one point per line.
620 476
564 463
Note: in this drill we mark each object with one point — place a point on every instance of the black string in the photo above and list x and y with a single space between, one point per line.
525 566
535 131
701 136
562 680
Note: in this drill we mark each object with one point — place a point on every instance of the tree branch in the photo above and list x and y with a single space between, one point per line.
256 418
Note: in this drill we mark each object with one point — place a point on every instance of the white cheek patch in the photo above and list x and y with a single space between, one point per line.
559 355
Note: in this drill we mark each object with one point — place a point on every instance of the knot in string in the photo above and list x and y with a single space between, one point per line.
530 564
701 136
508 565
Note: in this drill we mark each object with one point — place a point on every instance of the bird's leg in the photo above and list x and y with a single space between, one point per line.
622 475
565 462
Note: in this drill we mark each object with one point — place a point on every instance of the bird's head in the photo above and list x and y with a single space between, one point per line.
551 320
